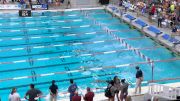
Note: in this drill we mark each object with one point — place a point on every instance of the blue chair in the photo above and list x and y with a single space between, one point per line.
130 17
170 39
155 30
141 23
113 8
173 40
166 36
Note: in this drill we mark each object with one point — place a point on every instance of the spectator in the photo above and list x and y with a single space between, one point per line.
173 18
139 79
172 7
120 3
153 9
151 12
112 90
117 85
143 10
124 90
53 91
14 96
160 19
174 31
33 94
89 95
72 88
76 97
22 3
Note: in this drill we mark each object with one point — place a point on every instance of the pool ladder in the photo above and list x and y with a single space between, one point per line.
67 69
34 78
28 49
31 61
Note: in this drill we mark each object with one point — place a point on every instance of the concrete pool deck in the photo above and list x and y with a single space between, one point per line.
139 97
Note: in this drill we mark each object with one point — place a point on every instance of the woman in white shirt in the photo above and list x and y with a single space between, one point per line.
14 96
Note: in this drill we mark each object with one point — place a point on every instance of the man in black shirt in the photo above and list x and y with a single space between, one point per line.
53 91
32 94
139 79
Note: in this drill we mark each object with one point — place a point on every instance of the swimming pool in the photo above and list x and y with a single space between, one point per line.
53 46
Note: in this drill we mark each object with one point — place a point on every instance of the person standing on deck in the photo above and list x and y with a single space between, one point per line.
53 91
72 89
89 95
33 94
139 79
124 90
14 96
117 85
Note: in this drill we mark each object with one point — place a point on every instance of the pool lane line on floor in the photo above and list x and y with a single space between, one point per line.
47 66
49 19
66 20
55 27
61 33
77 78
72 56
66 44
55 35
64 51
38 43
44 25
49 28
91 69
53 16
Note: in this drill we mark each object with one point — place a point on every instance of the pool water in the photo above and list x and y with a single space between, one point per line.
53 45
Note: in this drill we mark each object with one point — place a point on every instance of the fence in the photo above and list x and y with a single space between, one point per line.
163 91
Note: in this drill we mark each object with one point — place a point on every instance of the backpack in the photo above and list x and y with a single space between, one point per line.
108 92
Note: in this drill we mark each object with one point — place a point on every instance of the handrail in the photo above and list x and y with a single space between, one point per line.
164 79
163 91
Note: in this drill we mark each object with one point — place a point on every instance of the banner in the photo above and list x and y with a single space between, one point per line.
9 6
39 7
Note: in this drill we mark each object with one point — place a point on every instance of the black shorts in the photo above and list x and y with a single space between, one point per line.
117 91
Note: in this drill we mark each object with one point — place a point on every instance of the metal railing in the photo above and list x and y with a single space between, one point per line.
163 91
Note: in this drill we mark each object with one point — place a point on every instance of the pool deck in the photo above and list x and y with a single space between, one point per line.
139 97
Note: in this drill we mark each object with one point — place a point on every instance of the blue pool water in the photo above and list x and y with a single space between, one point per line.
52 42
